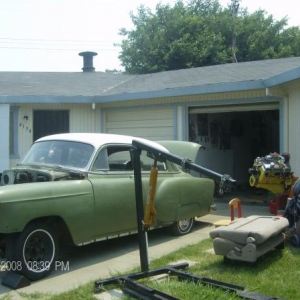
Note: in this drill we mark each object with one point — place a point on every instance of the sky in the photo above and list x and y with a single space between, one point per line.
47 35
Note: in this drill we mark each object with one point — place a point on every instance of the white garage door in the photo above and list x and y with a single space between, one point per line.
152 124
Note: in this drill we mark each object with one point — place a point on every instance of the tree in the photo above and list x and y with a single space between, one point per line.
200 33
261 37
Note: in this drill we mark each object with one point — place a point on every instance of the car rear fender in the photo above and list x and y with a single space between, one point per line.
180 198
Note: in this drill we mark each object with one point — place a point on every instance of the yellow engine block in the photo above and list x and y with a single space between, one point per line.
272 172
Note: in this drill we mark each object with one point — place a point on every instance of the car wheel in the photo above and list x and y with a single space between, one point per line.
33 251
182 227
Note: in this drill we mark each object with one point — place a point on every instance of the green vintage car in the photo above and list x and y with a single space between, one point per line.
78 188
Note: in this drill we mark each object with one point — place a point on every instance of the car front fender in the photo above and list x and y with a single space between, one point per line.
71 200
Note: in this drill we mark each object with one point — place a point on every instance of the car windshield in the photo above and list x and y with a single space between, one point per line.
62 153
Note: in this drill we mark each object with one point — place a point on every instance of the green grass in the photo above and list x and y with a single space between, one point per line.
275 274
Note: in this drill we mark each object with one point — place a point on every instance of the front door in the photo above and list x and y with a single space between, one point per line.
113 182
46 122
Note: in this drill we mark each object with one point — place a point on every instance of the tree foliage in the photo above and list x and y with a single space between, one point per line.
200 33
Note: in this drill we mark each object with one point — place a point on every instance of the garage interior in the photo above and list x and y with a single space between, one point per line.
233 139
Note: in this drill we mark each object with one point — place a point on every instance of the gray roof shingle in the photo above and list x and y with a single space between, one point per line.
247 75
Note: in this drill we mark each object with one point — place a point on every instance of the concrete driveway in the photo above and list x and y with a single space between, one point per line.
106 259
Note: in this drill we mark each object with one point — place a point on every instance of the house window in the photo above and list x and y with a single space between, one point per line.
46 122
13 132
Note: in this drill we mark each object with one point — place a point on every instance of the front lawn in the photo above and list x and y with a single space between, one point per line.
275 274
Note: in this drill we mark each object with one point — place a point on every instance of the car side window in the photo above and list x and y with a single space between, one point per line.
147 162
101 162
119 159
113 158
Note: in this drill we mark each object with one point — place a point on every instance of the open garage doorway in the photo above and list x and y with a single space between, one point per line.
232 140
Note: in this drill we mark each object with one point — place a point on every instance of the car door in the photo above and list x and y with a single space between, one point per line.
113 183
114 189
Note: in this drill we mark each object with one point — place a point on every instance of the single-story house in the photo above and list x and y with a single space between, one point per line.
236 111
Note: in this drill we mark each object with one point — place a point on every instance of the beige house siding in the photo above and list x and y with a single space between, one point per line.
85 118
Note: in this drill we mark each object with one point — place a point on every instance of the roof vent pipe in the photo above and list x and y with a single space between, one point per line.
88 61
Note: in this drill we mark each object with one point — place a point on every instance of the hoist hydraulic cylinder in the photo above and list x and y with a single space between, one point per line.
150 209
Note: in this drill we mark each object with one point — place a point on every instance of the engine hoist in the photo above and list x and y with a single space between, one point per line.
130 285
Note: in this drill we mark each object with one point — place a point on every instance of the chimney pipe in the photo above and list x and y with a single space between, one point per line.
88 61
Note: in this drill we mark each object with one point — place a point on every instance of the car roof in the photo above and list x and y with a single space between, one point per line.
100 139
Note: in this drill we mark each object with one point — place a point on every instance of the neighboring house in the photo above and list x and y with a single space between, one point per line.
237 111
